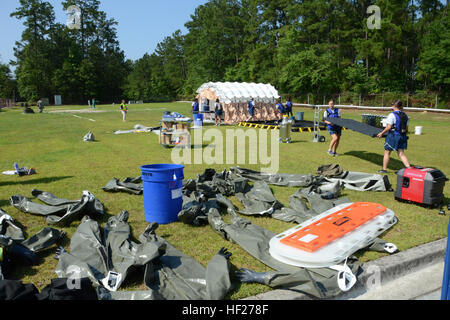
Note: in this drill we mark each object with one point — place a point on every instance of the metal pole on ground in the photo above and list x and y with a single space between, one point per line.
445 294
436 102
316 123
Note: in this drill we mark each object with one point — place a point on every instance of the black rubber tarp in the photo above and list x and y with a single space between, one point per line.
59 212
58 290
105 259
176 276
15 250
356 126
128 185
319 283
280 179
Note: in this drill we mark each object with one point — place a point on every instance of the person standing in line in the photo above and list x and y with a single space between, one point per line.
289 107
281 109
124 110
334 130
396 139
251 108
218 111
195 106
93 104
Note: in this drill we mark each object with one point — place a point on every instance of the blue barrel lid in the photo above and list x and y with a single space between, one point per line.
162 172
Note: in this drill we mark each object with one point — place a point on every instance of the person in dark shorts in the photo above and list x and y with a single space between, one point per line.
396 139
281 108
289 107
218 111
195 106
251 109
334 130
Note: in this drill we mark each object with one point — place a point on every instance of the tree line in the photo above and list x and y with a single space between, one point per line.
299 46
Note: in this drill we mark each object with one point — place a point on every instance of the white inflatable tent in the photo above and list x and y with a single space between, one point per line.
235 97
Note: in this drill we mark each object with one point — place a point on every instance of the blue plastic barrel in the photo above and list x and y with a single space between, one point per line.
162 186
198 120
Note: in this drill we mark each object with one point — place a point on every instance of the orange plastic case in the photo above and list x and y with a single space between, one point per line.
334 226
332 236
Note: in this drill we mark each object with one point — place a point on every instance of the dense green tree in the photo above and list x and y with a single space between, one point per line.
32 53
434 59
148 80
173 59
7 83
214 41
89 20
300 46
95 65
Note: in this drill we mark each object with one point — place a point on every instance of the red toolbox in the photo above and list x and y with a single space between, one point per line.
421 185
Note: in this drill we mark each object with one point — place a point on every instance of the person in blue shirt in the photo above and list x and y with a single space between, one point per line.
289 107
397 124
334 130
195 106
218 111
251 108
281 109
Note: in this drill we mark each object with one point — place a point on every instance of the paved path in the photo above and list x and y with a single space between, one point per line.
414 274
423 284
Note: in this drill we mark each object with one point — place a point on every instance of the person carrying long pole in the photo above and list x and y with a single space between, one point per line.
397 139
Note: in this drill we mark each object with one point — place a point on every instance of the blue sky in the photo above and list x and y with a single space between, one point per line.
142 23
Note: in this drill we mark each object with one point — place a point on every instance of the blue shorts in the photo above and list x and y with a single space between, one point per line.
336 130
395 142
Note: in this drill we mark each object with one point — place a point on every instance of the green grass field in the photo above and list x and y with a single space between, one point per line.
52 143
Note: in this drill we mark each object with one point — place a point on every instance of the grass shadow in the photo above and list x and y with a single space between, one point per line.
4 203
295 141
236 284
106 215
375 158
17 271
446 201
202 146
134 279
34 181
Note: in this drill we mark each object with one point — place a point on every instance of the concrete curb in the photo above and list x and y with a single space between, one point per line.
389 268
